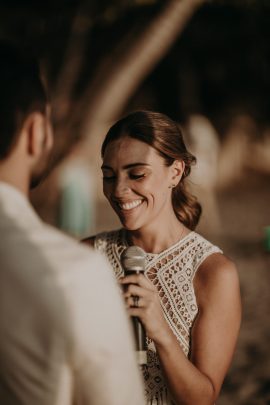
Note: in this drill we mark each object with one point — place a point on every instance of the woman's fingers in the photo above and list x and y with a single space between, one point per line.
138 279
135 302
133 289
142 301
136 312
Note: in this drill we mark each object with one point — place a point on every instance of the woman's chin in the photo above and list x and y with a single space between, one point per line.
129 225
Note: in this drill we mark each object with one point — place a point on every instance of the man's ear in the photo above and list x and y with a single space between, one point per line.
35 131
178 168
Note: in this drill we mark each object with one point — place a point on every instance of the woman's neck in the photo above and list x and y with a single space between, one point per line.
153 239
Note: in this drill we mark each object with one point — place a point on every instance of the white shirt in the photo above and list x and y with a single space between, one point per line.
64 333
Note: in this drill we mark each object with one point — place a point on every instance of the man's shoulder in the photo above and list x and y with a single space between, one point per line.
69 251
41 246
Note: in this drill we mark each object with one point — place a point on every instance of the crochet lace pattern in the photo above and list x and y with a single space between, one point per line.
171 272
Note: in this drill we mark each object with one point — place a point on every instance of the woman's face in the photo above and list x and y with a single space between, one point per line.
137 183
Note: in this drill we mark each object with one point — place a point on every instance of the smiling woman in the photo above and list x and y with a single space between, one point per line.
114 180
136 183
189 301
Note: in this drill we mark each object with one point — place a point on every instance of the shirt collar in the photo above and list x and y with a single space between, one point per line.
15 203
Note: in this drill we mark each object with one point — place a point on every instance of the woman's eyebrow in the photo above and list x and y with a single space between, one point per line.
129 166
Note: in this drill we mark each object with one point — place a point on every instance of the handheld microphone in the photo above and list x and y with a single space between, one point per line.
133 262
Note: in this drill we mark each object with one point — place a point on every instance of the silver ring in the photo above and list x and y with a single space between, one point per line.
136 301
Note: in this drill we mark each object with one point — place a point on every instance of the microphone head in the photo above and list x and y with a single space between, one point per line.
133 259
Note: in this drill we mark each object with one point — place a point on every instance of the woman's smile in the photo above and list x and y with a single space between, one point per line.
128 206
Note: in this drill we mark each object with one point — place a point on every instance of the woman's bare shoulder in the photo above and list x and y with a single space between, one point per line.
215 265
90 240
216 275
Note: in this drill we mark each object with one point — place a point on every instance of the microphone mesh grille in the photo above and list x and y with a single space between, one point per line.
133 259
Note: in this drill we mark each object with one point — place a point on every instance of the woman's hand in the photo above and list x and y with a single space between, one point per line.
148 308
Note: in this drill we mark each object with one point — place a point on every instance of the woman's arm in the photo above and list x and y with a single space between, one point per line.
214 334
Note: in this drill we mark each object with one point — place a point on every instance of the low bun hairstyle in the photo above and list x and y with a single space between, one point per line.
164 135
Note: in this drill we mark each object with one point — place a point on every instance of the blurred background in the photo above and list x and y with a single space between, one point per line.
206 64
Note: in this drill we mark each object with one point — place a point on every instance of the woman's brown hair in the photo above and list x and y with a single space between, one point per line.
165 136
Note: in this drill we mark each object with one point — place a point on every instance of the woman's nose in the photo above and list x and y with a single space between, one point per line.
121 188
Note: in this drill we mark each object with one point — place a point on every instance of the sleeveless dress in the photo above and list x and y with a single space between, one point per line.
171 272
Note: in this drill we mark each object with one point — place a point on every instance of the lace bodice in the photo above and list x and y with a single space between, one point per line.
172 272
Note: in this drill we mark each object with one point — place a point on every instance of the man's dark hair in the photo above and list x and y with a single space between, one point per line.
21 92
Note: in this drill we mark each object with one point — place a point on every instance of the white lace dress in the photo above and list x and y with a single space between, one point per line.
172 273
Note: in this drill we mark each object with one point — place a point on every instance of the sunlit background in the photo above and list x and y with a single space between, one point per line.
206 65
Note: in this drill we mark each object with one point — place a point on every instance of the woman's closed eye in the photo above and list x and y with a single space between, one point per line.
108 178
136 176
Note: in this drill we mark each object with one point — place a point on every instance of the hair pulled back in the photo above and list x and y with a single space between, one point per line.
165 136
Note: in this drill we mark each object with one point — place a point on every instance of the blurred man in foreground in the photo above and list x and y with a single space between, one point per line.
64 335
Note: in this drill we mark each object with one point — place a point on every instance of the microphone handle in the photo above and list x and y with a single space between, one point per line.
139 333
140 340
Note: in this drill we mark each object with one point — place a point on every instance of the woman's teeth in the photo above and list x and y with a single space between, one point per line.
130 205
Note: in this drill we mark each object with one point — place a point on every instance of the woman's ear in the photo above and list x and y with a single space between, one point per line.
35 129
178 168
48 142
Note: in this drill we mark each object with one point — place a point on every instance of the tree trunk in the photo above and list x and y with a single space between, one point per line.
106 99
